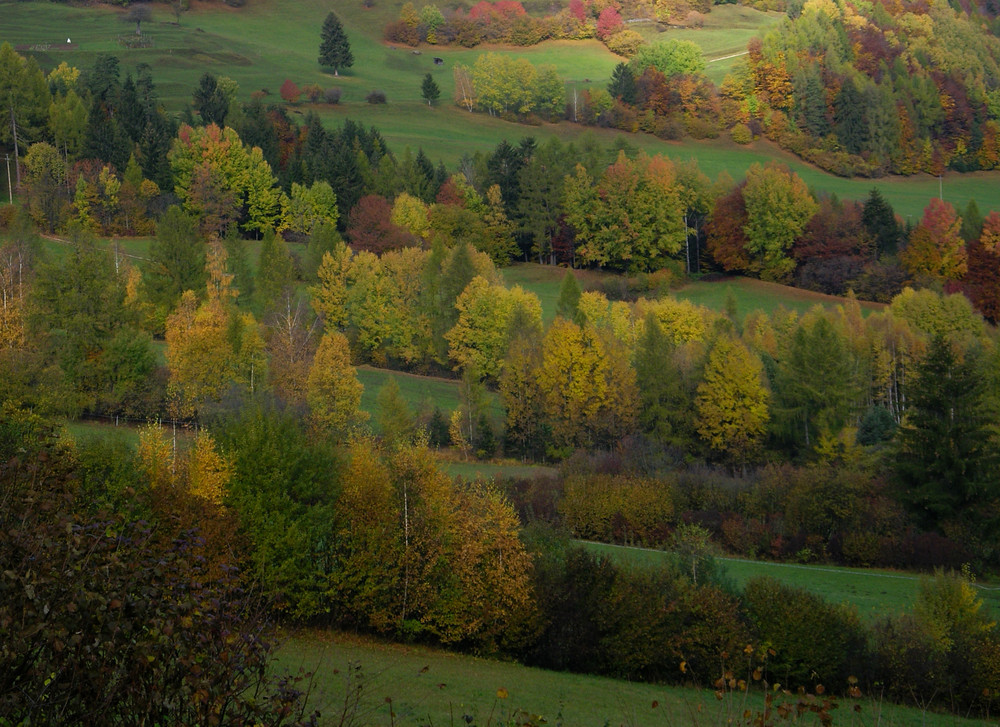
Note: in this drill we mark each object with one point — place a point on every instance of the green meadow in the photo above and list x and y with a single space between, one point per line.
266 42
362 681
874 592
750 295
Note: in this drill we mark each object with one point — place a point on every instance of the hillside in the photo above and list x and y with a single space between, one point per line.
260 47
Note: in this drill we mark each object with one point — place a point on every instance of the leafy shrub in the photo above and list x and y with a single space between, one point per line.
814 642
332 95
619 509
741 134
375 97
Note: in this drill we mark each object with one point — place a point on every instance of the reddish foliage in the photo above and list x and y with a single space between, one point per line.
290 91
369 227
726 241
608 23
449 194
982 281
834 231
577 10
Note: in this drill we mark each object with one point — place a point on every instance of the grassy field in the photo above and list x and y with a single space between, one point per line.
423 686
491 470
267 42
421 393
874 592
750 295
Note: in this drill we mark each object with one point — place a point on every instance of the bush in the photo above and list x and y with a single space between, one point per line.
332 95
375 97
814 642
741 134
630 510
625 43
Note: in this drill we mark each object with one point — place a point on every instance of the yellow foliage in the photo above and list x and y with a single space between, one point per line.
208 472
333 391
155 456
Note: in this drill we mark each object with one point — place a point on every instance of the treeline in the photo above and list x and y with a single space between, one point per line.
375 538
894 88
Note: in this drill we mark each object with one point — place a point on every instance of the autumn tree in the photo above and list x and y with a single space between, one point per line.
176 262
936 249
333 390
732 401
631 218
778 205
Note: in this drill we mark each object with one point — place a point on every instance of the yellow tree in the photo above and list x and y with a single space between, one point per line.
573 383
478 341
208 472
333 391
200 355
732 401
329 296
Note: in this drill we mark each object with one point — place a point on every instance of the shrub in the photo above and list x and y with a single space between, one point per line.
627 510
332 95
375 97
625 43
741 134
814 642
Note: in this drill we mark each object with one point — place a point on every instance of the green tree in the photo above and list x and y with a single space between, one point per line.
45 185
568 303
393 416
879 219
429 90
671 58
622 84
947 458
275 270
778 205
24 100
176 261
334 48
664 406
210 101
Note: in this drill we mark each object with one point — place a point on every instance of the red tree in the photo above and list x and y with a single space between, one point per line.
369 226
982 282
577 10
290 91
608 23
725 240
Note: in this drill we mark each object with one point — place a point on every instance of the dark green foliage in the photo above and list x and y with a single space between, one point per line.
275 271
485 442
814 642
104 138
972 222
814 390
947 460
437 430
283 488
622 84
107 622
132 386
665 410
879 219
177 260
429 90
210 102
877 426
334 48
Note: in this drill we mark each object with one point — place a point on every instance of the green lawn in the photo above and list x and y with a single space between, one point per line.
490 470
874 592
750 295
267 42
424 686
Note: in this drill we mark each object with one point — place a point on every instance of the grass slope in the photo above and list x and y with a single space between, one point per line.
435 687
874 592
269 41
750 294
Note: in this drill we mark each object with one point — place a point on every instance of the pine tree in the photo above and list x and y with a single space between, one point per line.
622 85
569 298
429 90
334 50
947 457
879 219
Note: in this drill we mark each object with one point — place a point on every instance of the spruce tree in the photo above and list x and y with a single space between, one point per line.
429 90
334 48
568 304
947 459
879 219
622 85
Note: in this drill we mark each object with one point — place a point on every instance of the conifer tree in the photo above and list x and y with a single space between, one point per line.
334 49
429 90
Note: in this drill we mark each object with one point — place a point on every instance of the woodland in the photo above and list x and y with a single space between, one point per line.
213 280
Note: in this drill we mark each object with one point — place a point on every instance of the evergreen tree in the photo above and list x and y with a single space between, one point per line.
429 90
851 124
392 415
568 304
622 85
947 458
437 430
334 48
210 101
879 219
177 260
104 138
275 270
972 222
664 410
